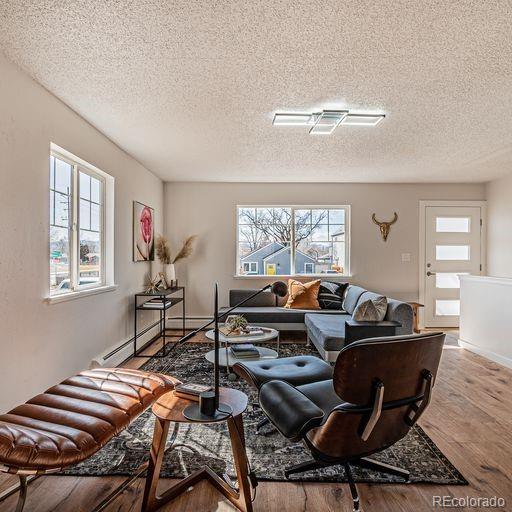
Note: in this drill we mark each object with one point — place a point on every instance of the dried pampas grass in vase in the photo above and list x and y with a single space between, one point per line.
187 249
163 252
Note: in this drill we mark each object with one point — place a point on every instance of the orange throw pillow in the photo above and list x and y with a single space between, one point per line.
303 295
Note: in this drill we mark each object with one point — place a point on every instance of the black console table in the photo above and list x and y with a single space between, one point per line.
162 301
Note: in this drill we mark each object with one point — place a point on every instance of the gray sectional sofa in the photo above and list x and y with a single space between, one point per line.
329 330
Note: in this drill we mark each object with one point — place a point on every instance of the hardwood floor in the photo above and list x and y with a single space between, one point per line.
470 419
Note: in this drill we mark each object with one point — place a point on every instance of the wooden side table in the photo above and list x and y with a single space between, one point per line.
169 408
415 307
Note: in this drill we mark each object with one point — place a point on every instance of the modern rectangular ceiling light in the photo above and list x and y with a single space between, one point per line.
327 122
363 119
292 119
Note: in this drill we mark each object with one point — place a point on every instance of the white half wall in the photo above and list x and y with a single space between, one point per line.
42 343
484 327
209 210
499 232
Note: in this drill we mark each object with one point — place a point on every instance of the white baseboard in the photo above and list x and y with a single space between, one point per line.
124 353
497 358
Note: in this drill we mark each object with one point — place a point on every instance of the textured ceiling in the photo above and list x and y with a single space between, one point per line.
189 87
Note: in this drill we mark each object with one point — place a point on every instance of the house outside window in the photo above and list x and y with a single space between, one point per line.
78 212
293 240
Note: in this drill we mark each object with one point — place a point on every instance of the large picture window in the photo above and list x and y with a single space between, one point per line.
77 226
298 240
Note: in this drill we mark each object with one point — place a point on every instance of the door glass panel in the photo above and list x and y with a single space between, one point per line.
452 252
448 279
452 224
447 307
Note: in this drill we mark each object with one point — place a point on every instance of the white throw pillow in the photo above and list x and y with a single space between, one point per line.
371 310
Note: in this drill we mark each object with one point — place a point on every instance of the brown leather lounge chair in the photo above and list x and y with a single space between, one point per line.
379 389
73 420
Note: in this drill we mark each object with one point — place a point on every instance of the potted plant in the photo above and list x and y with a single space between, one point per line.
236 323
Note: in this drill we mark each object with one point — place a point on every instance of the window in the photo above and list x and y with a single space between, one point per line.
292 240
447 307
452 252
250 267
78 250
309 268
453 224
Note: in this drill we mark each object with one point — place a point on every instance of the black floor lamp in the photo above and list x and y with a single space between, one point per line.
209 406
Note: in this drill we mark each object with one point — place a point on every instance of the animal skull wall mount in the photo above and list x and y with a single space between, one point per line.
385 226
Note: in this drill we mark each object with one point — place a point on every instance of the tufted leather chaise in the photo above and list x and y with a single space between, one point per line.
72 420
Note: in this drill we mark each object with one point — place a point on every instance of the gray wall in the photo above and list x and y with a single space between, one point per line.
42 343
209 210
499 232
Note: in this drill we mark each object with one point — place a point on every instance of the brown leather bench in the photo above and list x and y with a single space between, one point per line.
72 420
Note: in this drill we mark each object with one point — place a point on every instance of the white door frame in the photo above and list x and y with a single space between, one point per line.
422 231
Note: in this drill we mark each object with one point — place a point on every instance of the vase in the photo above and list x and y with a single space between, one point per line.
170 274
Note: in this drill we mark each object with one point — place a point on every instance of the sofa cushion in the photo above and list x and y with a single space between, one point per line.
303 295
371 310
352 296
275 315
397 311
330 295
327 330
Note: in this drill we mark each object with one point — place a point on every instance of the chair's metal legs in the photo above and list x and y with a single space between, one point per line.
20 487
375 465
23 493
118 490
353 488
303 466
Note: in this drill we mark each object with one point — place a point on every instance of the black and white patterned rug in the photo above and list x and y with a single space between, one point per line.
269 454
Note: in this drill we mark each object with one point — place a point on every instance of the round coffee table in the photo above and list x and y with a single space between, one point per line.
227 359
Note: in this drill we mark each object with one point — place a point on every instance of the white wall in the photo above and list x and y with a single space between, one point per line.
484 327
499 232
208 209
42 343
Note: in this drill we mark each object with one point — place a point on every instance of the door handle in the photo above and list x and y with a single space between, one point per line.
430 273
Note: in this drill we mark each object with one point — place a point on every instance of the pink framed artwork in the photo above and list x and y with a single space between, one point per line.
143 232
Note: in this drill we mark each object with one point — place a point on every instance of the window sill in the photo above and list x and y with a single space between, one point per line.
55 299
298 276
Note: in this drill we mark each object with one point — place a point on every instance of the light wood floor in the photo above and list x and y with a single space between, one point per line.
470 420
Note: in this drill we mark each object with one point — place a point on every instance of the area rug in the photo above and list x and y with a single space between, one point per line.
269 454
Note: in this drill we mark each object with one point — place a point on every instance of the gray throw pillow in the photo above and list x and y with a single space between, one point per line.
371 310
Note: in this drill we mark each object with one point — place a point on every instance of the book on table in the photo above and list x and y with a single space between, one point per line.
246 350
190 390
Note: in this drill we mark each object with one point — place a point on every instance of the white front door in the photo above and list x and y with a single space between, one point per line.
452 247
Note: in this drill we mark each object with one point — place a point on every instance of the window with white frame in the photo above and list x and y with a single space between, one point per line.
77 225
293 240
250 267
309 268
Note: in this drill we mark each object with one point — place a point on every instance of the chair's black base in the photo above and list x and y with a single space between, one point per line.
363 462
261 424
